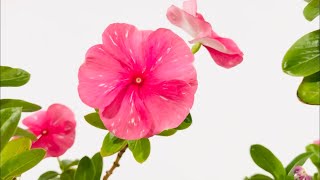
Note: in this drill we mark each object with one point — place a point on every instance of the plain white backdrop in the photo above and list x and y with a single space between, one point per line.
252 103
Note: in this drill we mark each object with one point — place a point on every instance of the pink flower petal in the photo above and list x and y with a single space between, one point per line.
36 122
190 6
194 26
62 119
317 142
131 120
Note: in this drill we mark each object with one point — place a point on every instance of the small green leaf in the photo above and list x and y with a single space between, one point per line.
186 123
111 145
68 174
25 133
13 77
259 177
298 161
94 120
98 165
14 148
140 149
309 89
265 159
9 119
315 158
66 164
48 175
195 48
26 106
303 57
168 132
311 11
21 163
85 169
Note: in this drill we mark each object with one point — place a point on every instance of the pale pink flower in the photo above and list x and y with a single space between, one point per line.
317 142
224 51
301 174
142 82
55 129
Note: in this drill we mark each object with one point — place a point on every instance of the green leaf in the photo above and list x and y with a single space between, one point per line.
25 133
68 174
21 163
260 177
94 120
316 176
26 106
298 161
111 145
315 158
12 77
168 132
9 119
14 148
309 89
85 169
140 149
186 123
98 165
265 159
303 58
311 11
66 164
48 175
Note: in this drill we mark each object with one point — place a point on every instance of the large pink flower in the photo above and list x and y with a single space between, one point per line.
55 129
224 51
142 82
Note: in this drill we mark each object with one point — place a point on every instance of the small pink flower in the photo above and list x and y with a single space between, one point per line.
55 129
224 51
301 174
317 142
142 82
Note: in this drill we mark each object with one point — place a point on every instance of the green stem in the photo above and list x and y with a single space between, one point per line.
195 48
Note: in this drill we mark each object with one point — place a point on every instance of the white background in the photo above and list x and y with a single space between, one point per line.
252 103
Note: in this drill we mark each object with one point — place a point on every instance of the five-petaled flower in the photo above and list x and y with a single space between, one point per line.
224 51
142 82
54 128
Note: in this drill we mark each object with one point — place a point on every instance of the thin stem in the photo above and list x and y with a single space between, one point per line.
115 163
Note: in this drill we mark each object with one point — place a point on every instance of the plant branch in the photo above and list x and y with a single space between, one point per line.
115 163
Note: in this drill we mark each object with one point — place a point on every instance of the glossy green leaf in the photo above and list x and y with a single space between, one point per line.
315 158
26 106
12 77
265 159
140 149
98 165
68 174
48 175
66 164
298 161
9 119
24 133
168 132
21 163
186 123
311 11
303 58
85 169
259 177
13 148
94 120
309 89
111 145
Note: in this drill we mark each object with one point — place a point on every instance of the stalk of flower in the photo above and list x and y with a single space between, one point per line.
54 128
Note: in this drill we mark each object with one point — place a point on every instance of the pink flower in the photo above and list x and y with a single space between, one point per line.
55 129
142 82
224 51
300 174
317 142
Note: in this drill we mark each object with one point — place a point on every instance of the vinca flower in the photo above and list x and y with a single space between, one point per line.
54 128
142 81
224 51
300 174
